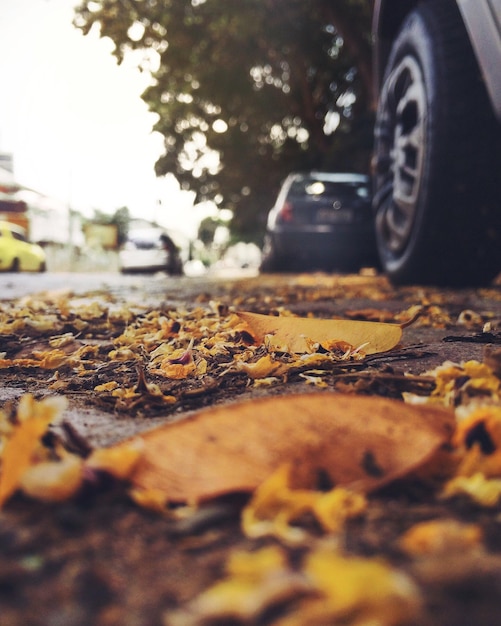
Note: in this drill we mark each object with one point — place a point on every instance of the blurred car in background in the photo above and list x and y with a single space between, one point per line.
17 254
320 220
149 250
437 152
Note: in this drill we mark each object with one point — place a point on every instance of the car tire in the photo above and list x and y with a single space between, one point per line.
15 266
437 158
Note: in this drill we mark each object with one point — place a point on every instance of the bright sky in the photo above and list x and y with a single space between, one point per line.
74 119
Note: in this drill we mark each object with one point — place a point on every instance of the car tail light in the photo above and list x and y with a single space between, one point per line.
286 213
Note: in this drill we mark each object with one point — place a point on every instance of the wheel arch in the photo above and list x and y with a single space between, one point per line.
387 18
482 21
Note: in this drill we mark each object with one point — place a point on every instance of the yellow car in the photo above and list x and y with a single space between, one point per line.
17 253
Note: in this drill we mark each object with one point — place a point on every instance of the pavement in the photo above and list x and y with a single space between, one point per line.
453 325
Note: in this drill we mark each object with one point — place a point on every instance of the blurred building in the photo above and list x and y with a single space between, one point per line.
47 220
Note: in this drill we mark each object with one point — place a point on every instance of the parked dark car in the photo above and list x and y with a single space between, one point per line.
149 250
437 160
320 220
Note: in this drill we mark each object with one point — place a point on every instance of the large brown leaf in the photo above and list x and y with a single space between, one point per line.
294 332
357 441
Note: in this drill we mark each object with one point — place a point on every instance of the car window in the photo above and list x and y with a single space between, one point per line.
316 188
18 236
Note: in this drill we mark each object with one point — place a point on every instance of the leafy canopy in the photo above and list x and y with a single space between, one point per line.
247 90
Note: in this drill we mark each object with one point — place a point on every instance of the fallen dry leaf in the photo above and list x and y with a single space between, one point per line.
293 334
356 441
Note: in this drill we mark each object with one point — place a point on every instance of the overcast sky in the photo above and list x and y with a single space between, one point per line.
72 117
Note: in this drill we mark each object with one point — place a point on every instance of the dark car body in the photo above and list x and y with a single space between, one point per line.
437 140
482 19
320 220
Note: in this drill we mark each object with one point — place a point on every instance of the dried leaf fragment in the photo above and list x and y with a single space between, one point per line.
355 591
359 442
118 461
484 491
53 481
274 507
295 333
34 419
441 537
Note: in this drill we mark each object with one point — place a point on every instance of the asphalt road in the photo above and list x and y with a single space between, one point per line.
23 284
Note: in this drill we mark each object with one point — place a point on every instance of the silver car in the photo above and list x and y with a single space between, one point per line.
149 250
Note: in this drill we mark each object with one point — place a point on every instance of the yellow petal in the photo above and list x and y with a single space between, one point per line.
118 461
360 591
34 418
440 536
486 492
53 481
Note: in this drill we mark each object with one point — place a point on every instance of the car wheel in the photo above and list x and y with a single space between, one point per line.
437 157
16 266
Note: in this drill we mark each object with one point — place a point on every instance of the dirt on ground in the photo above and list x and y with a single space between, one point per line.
99 558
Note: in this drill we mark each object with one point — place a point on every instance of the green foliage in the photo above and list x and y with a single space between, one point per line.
242 89
120 219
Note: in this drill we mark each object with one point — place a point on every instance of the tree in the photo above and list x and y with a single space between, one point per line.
248 90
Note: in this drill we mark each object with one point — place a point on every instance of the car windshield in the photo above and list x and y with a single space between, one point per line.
311 188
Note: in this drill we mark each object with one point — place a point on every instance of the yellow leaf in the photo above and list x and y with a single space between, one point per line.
263 368
296 333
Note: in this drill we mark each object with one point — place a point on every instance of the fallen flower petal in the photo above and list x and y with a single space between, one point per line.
275 506
355 591
255 582
440 537
53 481
484 491
265 367
34 419
118 461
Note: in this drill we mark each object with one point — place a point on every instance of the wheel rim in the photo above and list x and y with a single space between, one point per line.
400 148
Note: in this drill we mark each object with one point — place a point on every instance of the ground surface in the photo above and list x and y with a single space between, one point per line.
100 559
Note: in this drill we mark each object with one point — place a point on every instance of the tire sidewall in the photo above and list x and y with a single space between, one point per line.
416 40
